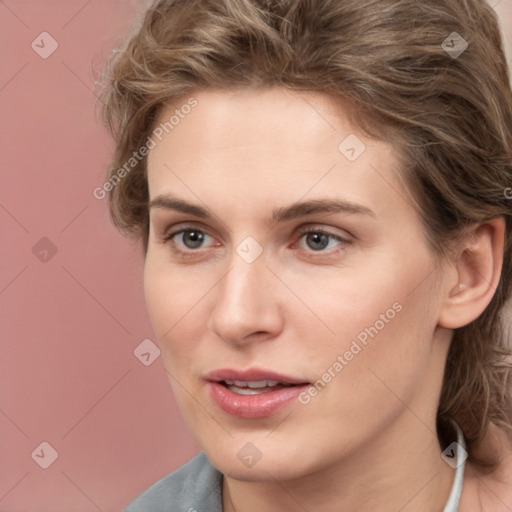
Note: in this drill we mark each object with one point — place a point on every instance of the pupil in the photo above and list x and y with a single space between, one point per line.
316 239
195 238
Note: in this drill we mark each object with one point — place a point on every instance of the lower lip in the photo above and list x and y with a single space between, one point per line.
253 406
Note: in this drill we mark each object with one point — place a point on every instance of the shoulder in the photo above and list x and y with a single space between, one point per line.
194 486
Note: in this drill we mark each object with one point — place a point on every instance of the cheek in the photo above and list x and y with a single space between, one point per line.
173 301
366 303
387 359
170 291
383 320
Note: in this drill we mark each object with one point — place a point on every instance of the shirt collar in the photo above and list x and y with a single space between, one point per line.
452 505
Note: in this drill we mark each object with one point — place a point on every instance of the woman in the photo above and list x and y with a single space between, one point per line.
320 191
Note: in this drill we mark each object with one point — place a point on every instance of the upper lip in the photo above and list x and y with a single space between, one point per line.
250 375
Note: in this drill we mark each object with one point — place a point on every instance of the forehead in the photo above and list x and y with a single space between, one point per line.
270 144
256 116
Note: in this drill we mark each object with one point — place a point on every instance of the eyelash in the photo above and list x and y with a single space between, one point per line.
168 239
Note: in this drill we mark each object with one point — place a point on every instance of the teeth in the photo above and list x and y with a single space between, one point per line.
255 384
263 384
246 391
243 387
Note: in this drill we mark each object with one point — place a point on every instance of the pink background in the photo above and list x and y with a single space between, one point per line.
71 323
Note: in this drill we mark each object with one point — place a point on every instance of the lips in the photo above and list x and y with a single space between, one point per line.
252 393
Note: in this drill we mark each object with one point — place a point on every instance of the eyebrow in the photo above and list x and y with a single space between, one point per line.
293 211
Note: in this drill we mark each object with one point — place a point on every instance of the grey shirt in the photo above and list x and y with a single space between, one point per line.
194 487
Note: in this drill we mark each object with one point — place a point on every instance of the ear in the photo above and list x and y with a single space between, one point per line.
475 274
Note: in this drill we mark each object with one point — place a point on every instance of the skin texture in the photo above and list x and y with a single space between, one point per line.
367 441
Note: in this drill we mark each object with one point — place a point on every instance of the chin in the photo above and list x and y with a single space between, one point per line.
274 464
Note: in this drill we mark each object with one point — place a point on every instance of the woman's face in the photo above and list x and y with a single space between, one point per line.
289 351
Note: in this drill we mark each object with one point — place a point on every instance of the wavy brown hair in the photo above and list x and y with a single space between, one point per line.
450 117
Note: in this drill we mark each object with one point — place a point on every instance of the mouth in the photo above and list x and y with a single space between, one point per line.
253 393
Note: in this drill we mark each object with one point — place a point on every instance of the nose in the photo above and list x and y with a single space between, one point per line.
248 306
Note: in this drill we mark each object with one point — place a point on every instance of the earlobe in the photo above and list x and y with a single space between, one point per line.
478 271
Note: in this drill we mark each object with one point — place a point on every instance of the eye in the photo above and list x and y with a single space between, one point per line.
318 239
189 237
